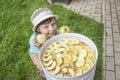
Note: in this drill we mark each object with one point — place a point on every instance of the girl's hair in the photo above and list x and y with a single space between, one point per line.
45 22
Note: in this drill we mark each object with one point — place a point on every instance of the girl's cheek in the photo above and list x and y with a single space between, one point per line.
44 31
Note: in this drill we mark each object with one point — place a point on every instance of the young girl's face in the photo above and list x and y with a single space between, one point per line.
49 28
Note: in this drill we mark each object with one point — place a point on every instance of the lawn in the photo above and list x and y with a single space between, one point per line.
15 31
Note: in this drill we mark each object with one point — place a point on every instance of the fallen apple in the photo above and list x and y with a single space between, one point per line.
41 38
64 29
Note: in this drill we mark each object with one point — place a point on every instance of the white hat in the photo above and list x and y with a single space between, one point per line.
40 15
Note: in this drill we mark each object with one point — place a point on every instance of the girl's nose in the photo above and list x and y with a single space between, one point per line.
51 28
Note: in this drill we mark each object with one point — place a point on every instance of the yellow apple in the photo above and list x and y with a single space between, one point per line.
64 29
41 38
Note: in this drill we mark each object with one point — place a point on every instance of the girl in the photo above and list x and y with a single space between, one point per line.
44 22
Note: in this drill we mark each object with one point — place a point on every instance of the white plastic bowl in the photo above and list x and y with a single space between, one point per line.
86 76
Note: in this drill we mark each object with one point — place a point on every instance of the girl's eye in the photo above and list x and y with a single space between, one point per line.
53 24
45 27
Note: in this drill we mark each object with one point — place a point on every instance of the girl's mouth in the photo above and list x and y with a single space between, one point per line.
51 34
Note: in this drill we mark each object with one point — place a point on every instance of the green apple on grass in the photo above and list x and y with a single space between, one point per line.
64 29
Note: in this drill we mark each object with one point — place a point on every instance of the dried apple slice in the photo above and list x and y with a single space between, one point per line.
65 75
83 44
73 51
51 66
64 65
86 68
56 70
49 49
89 62
78 47
67 58
80 62
72 65
66 47
89 49
45 54
91 57
59 55
61 49
78 71
83 53
64 70
59 61
47 58
65 40
54 56
48 63
73 41
70 41
74 58
76 41
71 72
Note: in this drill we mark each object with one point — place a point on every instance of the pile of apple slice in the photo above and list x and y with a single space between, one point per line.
68 57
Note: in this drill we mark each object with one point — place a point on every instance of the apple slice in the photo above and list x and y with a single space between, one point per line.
46 54
73 51
91 57
64 65
86 68
78 71
72 65
59 55
65 75
80 62
51 66
56 70
59 61
64 70
71 72
66 58
75 41
48 63
47 58
74 58
78 47
83 53
89 49
90 63
83 44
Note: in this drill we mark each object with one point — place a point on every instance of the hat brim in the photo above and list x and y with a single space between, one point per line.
44 18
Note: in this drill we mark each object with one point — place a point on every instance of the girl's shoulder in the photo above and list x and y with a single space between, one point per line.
33 36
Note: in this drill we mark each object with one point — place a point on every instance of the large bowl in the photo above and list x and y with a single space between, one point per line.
89 75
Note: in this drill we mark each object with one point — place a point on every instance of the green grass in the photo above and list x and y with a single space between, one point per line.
15 31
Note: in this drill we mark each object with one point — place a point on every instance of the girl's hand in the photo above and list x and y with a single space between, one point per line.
38 67
36 43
